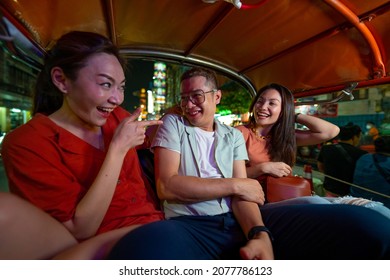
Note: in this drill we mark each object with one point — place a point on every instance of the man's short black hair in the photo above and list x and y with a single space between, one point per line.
348 131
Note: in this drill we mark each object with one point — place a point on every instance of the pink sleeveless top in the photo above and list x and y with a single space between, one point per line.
256 147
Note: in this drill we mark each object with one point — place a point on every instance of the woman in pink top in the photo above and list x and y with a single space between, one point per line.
271 137
272 140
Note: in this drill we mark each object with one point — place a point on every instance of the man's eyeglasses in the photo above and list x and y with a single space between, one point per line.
197 97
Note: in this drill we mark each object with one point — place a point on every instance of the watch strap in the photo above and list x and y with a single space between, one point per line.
256 229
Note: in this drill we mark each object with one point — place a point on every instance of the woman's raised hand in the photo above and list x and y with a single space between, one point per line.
131 132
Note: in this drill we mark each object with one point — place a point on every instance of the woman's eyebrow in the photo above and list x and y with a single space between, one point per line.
110 78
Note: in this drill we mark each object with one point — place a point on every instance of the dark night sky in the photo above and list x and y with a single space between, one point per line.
139 75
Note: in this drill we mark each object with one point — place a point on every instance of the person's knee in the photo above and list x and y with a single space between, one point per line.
370 230
145 242
348 231
8 207
163 240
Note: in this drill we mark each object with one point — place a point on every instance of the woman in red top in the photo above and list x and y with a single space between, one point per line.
76 158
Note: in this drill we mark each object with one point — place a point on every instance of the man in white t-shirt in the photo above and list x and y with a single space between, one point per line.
200 171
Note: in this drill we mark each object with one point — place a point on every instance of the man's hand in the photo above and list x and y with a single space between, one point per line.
259 248
250 190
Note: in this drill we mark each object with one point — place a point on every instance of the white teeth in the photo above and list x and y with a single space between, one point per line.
108 110
262 115
193 113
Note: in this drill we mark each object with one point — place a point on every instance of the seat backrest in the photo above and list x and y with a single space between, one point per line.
146 159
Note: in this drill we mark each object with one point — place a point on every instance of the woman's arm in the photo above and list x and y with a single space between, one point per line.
92 208
276 169
319 130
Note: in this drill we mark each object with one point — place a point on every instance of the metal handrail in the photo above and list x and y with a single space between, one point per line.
345 92
354 185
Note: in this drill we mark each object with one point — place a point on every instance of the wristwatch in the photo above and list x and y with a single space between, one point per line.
256 229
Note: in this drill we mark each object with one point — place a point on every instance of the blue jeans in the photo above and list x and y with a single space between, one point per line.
374 205
183 238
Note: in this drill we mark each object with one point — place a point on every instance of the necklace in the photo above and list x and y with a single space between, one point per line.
260 137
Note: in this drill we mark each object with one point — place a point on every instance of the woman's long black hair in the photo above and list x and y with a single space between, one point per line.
282 145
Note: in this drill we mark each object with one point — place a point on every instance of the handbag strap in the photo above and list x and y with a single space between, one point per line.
380 169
